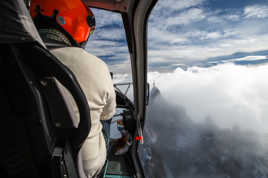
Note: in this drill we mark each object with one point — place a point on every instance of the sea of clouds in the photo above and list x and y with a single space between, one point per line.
207 122
228 94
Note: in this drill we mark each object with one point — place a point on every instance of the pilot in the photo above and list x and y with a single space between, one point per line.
65 27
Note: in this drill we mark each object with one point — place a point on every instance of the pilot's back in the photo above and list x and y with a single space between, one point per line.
94 78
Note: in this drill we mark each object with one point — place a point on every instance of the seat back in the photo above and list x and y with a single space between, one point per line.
18 117
41 142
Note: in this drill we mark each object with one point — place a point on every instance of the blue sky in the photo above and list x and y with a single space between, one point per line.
191 32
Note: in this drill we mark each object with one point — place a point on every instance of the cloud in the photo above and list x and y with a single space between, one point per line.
203 35
200 32
108 42
160 36
116 51
213 35
113 33
120 78
248 58
195 45
121 68
185 31
179 5
233 17
186 17
256 11
190 53
207 123
104 18
230 94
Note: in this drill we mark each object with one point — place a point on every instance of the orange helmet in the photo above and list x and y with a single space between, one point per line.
72 15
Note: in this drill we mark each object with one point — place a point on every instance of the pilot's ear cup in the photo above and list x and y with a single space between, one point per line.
91 21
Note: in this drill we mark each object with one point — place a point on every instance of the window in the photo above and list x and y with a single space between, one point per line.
207 115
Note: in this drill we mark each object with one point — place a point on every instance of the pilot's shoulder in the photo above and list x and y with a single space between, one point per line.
75 53
92 57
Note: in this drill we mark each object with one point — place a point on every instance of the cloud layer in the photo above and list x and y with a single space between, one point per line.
207 123
230 94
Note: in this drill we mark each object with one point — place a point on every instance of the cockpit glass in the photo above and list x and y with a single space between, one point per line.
207 115
108 42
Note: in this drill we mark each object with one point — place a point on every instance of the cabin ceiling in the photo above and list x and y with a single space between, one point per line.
111 5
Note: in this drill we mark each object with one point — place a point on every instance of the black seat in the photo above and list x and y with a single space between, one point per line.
35 141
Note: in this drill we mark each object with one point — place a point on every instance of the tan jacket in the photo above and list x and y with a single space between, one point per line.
94 78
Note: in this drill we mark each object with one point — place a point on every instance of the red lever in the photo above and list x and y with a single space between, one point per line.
139 138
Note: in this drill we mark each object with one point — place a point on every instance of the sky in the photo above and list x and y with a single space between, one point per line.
108 41
188 32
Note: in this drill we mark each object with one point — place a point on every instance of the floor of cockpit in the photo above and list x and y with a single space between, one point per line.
117 166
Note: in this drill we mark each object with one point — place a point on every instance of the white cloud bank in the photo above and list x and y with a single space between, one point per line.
228 94
207 123
256 11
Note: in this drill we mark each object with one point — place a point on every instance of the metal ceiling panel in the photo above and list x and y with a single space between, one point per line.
111 5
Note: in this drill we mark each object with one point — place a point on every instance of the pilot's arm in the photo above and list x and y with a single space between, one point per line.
110 106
